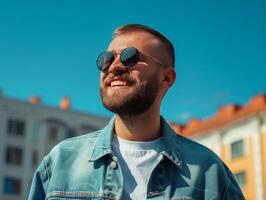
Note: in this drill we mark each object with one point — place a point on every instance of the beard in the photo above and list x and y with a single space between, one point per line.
132 102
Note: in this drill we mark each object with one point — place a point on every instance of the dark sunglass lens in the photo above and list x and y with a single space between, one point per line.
129 56
104 60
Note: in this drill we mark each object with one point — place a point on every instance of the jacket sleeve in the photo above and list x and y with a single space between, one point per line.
37 190
232 190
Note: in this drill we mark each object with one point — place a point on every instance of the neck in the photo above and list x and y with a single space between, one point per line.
143 127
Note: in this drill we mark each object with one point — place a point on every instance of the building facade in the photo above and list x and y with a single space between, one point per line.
29 130
238 135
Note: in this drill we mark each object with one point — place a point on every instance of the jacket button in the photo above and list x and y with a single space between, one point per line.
113 164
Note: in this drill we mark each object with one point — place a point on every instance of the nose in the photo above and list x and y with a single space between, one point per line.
117 67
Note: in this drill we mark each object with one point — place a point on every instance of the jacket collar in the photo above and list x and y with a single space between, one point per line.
170 142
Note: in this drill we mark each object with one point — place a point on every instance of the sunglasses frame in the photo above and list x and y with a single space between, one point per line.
101 68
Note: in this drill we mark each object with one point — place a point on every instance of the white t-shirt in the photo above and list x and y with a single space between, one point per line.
136 159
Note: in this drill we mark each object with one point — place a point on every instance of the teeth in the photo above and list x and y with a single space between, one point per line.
118 83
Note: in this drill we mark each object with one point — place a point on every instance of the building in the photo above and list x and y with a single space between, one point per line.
238 135
28 131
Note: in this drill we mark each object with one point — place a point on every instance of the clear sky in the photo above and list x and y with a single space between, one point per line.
48 48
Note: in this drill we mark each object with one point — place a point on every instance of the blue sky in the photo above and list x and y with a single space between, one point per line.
48 48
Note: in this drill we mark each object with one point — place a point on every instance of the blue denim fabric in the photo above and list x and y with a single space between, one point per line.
83 168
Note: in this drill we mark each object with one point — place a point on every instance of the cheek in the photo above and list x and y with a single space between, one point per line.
147 75
137 75
102 77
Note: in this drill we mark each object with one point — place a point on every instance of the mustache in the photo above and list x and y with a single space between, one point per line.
124 76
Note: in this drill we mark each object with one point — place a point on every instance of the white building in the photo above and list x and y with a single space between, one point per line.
28 132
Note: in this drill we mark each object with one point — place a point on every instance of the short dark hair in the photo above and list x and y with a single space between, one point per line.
139 27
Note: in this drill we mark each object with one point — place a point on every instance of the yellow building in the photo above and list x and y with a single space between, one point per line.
238 135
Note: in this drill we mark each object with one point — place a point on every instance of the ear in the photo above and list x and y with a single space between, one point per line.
169 77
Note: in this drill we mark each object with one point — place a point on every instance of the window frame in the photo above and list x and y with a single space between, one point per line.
244 178
12 185
14 155
235 155
16 127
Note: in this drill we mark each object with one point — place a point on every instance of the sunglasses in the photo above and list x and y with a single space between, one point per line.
128 57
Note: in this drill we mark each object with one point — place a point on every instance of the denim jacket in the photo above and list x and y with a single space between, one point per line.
85 168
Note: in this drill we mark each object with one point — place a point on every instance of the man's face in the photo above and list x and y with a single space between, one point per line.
131 91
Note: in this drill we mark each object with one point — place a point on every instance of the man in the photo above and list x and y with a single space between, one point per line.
137 155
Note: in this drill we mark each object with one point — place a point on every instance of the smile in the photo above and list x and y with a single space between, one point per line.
118 83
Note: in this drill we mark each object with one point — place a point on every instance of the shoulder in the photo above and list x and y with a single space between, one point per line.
80 146
190 152
194 151
203 167
201 160
64 158
82 139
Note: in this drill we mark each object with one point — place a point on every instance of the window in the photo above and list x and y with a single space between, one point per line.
53 133
14 155
237 149
34 158
16 127
241 178
88 128
12 185
70 133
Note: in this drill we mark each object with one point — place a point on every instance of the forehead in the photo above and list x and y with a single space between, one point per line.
141 40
